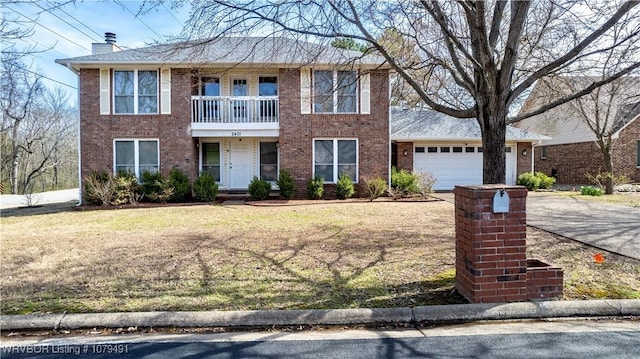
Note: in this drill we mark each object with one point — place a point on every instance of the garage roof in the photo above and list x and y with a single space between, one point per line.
427 124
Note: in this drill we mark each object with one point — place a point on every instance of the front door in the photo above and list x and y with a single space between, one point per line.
240 163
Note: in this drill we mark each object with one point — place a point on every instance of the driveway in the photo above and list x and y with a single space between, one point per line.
606 226
611 227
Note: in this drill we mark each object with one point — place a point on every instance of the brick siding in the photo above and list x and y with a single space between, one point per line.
573 161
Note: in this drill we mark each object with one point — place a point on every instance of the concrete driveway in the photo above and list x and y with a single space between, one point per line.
611 227
606 226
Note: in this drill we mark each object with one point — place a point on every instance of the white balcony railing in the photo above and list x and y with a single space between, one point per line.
234 109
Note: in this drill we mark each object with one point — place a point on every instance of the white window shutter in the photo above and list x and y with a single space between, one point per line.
305 91
165 91
105 86
365 94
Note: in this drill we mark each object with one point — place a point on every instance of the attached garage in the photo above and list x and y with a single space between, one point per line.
455 163
450 149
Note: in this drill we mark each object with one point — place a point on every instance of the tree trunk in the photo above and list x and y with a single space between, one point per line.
493 125
15 160
608 165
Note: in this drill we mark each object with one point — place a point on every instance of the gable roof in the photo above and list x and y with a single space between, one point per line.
231 51
427 124
627 114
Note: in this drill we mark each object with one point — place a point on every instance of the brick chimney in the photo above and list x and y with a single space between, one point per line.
109 45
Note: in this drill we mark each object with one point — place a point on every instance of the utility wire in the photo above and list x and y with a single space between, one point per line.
56 33
81 23
46 77
137 17
66 22
171 13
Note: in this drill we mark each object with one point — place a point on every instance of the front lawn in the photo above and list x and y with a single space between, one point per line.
211 257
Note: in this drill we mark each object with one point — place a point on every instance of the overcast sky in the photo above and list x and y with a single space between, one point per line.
70 30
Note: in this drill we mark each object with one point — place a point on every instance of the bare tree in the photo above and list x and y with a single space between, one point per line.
473 59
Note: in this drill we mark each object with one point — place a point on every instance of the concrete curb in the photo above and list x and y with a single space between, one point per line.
361 316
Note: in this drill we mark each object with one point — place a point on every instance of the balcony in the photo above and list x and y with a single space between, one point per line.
234 116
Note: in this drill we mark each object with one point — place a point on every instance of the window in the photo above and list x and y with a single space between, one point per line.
638 154
135 91
445 149
335 157
269 161
479 149
419 149
543 152
469 149
211 159
268 86
209 86
507 149
240 106
335 91
457 149
136 156
432 149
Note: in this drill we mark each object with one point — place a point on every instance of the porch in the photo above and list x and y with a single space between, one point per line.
242 115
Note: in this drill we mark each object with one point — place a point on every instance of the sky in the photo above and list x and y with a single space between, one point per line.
69 31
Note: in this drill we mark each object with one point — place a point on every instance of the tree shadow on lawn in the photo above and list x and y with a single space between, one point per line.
38 209
325 271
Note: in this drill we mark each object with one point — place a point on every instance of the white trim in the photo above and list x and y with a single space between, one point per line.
220 154
165 91
258 163
105 88
335 156
365 94
136 154
305 91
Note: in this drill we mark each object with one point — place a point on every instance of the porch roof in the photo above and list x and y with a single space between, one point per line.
430 125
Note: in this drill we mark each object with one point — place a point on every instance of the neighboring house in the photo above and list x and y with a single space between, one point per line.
450 149
571 151
235 108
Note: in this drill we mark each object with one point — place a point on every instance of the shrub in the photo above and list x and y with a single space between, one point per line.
180 183
127 189
403 183
424 184
155 187
529 180
99 188
315 188
375 187
545 181
590 191
600 179
259 188
205 187
286 184
344 187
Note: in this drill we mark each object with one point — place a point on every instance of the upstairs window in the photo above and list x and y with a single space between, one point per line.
135 91
335 91
209 86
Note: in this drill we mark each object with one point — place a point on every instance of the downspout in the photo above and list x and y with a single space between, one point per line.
533 155
79 142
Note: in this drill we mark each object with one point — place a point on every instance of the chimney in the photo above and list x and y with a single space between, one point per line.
109 45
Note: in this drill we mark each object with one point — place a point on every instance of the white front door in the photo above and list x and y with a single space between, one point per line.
240 163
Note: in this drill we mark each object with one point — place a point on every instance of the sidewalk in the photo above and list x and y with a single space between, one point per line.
375 316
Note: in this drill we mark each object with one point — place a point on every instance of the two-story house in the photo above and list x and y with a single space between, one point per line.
235 108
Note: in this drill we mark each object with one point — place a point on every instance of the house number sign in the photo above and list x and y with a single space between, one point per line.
236 134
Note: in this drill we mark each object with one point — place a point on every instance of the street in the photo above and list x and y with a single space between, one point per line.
520 339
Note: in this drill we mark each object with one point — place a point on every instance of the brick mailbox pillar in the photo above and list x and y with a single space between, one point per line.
491 258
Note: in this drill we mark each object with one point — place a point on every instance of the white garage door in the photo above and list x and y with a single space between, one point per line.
455 164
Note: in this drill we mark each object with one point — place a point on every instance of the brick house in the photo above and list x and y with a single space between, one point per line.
450 149
571 151
235 108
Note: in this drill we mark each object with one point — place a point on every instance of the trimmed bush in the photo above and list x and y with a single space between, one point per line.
534 181
180 183
205 188
529 180
315 188
286 184
403 183
545 181
259 188
344 187
155 187
590 191
375 187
